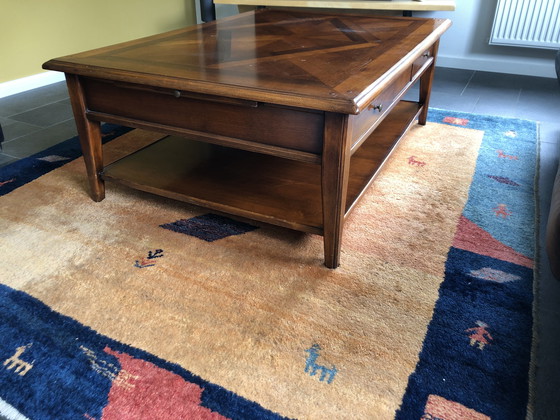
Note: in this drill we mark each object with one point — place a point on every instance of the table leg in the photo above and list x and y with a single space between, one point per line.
426 86
90 138
334 179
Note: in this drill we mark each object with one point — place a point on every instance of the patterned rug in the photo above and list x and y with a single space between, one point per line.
140 307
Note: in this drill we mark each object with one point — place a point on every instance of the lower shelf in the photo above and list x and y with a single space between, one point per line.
252 185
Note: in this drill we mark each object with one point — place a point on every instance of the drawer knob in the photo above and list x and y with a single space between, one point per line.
376 107
177 93
426 54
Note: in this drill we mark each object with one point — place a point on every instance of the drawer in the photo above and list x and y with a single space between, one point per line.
213 116
421 61
363 123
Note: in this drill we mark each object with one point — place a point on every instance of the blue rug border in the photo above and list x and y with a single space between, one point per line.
214 397
419 383
25 170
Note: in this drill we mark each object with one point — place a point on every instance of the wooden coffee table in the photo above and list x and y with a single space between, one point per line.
277 116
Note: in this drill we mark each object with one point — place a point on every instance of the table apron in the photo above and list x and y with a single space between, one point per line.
245 122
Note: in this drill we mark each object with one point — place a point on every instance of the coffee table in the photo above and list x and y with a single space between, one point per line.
282 117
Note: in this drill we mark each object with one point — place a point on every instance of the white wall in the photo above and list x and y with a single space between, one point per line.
465 44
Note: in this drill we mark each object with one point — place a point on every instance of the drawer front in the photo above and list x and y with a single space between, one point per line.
363 123
230 118
421 61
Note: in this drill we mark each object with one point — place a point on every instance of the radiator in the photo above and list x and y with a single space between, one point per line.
527 23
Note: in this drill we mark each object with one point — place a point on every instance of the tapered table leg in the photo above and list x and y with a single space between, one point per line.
90 138
334 180
426 86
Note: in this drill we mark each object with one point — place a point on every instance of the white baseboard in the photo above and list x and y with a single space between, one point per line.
495 64
30 82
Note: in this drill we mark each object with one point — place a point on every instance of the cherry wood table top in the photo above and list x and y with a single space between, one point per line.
328 62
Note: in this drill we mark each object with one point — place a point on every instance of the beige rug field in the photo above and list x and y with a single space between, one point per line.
243 312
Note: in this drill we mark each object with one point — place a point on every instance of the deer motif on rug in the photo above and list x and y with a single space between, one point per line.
312 367
20 366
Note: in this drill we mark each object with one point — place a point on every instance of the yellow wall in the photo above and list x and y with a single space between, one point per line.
34 31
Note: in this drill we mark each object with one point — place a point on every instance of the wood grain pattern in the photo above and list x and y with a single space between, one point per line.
247 184
327 62
90 137
250 121
334 184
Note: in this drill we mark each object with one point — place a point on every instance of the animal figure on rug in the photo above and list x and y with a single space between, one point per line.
312 366
412 161
479 335
503 155
21 367
149 261
502 211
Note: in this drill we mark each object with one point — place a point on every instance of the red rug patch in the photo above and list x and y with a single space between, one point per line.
471 237
456 121
144 390
439 408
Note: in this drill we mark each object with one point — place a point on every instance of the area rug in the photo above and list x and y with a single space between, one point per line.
140 307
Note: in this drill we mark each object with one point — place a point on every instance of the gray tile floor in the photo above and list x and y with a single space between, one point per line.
35 120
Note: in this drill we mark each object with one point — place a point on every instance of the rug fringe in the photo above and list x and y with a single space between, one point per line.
9 412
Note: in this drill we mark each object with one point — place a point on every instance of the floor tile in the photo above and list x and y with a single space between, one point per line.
483 79
5 159
538 84
548 165
46 115
539 105
451 80
35 98
454 102
550 132
13 129
40 140
413 93
497 102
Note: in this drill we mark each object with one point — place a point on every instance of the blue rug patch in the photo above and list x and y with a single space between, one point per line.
504 178
25 170
476 355
478 346
209 227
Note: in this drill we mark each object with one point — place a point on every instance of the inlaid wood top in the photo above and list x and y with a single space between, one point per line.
318 61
